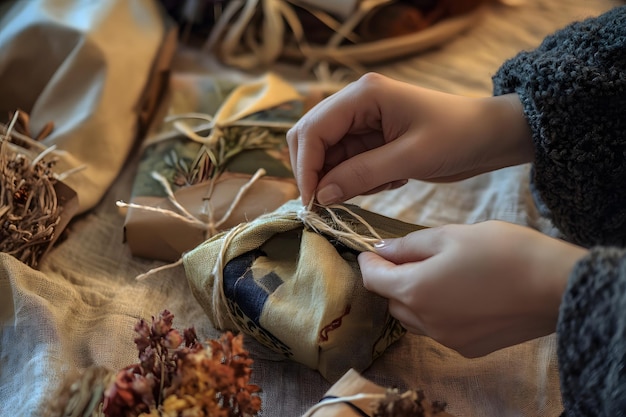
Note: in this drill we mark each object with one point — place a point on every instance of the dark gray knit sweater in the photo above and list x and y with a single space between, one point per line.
573 88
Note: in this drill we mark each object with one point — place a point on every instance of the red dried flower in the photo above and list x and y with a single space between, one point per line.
178 376
130 394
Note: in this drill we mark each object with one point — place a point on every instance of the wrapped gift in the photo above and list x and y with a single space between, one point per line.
291 280
354 395
219 158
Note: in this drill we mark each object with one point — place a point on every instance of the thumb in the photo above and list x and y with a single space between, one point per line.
376 272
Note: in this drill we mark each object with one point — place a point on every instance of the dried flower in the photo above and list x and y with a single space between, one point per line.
214 382
213 157
408 404
130 394
176 377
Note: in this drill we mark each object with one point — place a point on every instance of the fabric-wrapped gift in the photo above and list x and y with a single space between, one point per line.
201 174
291 280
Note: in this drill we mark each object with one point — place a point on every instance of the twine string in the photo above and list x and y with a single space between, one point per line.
338 227
210 228
346 399
219 305
158 269
349 399
242 191
170 195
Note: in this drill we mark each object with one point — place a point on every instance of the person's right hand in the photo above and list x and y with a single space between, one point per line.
377 132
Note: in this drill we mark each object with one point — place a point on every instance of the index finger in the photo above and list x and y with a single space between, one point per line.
323 126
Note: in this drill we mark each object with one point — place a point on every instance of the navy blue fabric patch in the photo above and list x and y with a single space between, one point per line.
270 281
241 287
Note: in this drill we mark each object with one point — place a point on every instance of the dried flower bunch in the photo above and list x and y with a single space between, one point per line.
176 376
29 207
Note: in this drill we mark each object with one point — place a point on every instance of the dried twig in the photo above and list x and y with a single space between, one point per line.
29 209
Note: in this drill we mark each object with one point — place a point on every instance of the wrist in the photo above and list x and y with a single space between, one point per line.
572 254
555 277
508 132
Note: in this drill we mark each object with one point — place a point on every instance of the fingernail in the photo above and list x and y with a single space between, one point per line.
380 244
329 194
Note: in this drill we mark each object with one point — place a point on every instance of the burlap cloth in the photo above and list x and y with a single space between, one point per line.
80 308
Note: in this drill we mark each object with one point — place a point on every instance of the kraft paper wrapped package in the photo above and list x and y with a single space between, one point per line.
295 285
355 396
219 158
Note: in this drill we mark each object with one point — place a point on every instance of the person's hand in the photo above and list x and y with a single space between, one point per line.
474 288
377 132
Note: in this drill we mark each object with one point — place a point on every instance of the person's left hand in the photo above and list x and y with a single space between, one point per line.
474 288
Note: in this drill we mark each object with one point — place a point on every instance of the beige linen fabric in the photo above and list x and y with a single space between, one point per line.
80 308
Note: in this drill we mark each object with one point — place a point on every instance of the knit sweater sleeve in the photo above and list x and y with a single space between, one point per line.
592 336
573 90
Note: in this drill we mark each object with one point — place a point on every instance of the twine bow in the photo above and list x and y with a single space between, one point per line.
244 101
268 92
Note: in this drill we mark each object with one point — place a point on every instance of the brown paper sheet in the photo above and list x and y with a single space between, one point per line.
162 236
